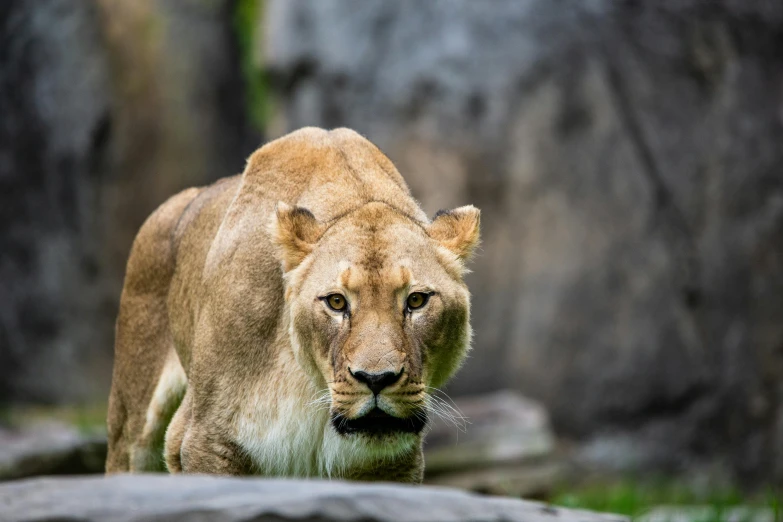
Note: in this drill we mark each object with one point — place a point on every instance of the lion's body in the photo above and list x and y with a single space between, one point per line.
204 356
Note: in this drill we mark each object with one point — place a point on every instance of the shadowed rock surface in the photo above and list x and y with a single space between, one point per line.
140 497
107 109
49 448
626 157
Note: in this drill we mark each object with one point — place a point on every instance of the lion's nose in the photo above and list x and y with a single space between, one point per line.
377 381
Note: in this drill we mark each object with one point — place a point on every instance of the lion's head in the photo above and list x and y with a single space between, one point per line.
379 314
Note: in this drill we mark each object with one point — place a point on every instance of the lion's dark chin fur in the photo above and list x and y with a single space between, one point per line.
377 422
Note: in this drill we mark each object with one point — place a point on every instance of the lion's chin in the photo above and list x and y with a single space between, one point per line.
378 423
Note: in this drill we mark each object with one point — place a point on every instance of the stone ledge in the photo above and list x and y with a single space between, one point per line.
49 448
172 498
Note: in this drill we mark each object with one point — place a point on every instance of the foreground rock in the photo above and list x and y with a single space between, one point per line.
49 448
153 497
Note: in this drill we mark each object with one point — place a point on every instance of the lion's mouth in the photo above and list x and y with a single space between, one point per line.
378 422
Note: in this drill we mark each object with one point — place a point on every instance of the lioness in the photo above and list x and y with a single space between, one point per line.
290 321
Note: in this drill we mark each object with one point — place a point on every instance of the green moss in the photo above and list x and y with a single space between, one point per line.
88 418
247 27
633 497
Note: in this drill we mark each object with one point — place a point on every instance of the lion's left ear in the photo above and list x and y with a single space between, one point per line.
295 232
457 230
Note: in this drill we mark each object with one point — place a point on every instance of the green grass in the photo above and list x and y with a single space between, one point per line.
87 418
633 497
247 17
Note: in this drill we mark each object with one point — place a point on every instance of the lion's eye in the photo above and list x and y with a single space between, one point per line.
417 300
336 302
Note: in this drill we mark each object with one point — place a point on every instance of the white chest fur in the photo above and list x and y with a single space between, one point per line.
291 437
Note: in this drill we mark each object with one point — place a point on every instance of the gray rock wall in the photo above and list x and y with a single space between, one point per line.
55 106
106 109
627 159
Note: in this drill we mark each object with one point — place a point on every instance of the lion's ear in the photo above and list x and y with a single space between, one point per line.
295 232
457 230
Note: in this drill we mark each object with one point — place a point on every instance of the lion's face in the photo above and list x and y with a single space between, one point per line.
379 313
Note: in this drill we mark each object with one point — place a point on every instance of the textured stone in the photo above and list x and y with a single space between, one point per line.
107 109
49 448
626 157
171 498
55 105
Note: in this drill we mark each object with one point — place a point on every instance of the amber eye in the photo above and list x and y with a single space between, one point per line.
417 300
336 302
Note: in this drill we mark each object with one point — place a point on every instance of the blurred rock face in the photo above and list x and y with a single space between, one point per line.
106 109
55 104
627 158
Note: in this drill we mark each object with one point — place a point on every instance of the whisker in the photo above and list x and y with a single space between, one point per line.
322 398
440 408
448 407
447 402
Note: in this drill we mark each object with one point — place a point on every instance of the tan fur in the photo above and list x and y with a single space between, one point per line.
226 348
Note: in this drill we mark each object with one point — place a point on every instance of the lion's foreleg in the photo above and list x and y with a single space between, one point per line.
213 453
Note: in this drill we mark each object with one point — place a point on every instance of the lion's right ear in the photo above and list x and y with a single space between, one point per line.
295 232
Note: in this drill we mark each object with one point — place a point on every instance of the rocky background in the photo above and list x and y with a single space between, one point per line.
628 161
627 157
107 107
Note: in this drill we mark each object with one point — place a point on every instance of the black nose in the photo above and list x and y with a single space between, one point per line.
377 381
